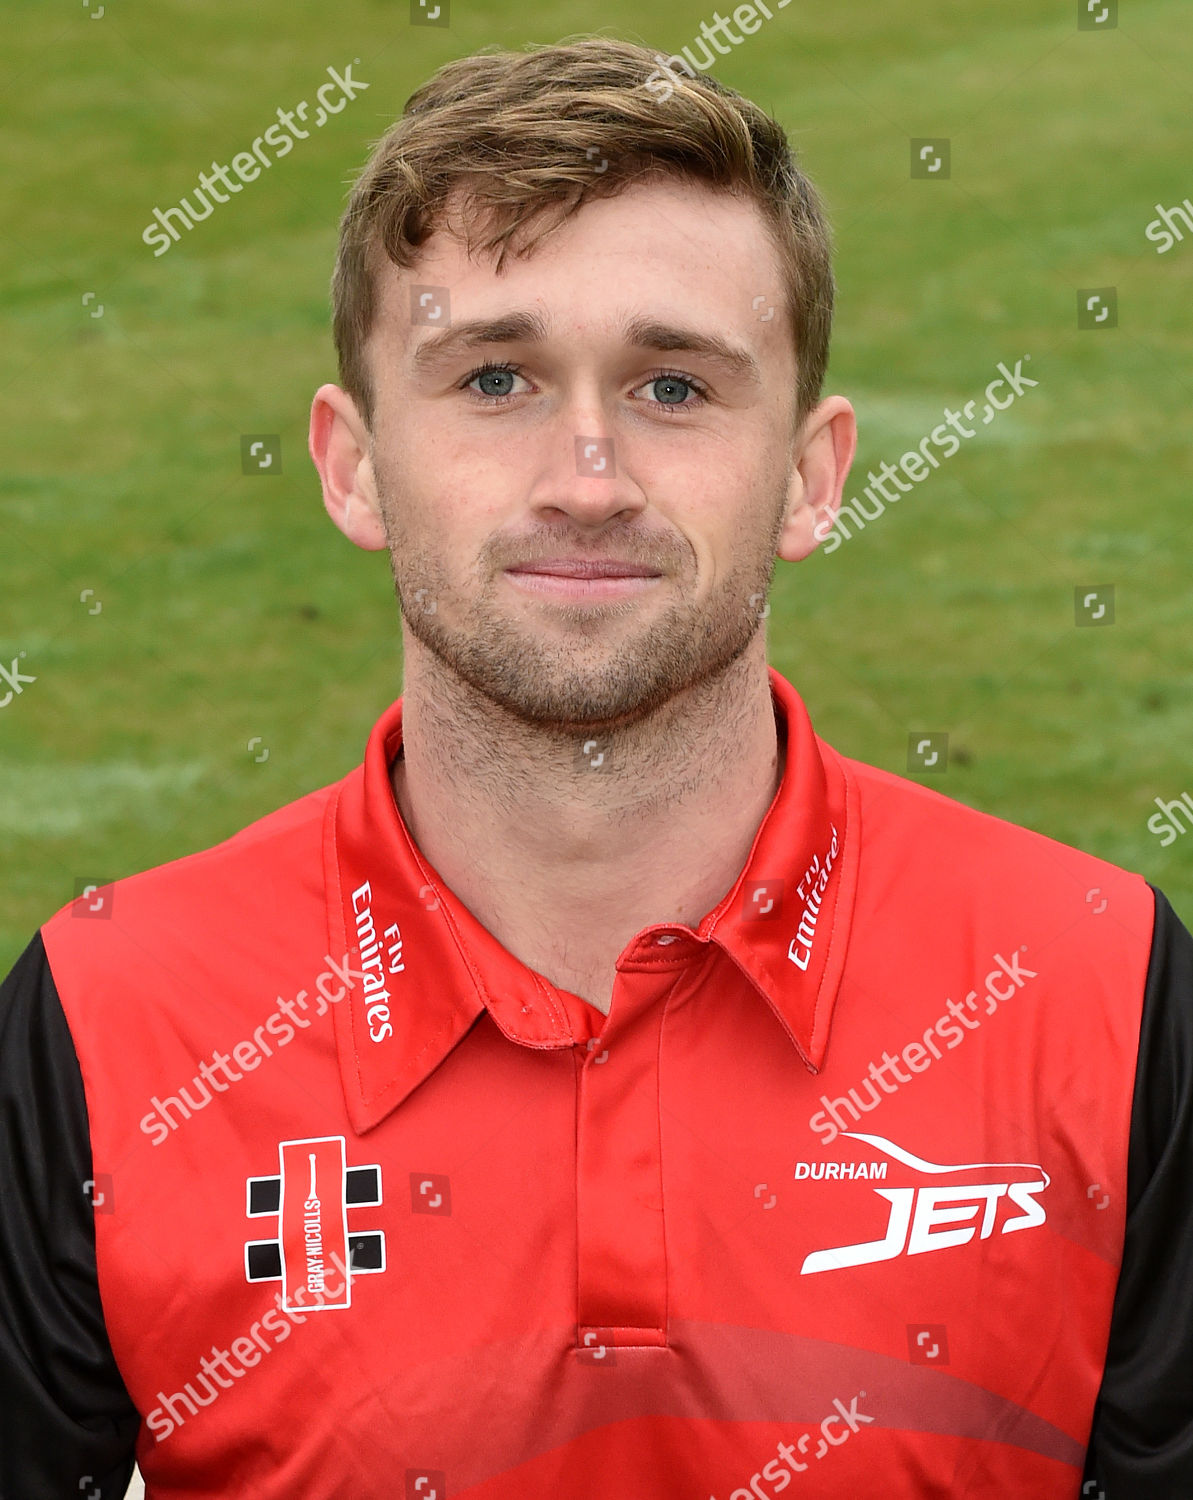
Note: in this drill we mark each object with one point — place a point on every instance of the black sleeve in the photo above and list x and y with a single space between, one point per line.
67 1425
1141 1445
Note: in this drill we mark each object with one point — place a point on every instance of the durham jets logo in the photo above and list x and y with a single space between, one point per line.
314 1256
934 1215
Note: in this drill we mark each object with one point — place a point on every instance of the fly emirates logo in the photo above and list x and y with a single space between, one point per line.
925 1216
811 891
377 958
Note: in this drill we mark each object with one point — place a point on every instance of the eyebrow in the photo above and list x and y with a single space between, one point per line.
640 332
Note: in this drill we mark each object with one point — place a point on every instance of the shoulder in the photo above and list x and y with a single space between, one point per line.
923 827
937 875
199 927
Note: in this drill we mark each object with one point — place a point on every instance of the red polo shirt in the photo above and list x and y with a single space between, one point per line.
836 1189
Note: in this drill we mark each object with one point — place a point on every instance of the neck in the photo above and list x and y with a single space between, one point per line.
565 844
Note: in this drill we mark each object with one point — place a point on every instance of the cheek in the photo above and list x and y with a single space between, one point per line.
440 523
731 513
450 476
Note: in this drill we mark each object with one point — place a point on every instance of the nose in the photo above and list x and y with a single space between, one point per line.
586 469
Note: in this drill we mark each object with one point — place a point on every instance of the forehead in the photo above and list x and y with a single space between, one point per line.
677 251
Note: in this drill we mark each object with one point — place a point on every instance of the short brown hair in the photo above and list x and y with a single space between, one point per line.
521 133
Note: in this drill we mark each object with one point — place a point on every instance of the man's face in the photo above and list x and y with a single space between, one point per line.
476 474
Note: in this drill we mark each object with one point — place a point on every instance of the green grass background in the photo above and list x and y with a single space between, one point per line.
232 609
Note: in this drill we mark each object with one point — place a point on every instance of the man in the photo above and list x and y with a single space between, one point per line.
654 1102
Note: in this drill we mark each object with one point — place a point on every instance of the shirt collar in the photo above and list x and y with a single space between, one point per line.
430 968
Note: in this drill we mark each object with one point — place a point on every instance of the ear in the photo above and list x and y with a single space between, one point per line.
339 448
824 452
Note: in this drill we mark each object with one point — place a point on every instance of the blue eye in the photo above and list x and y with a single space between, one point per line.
670 390
674 393
495 380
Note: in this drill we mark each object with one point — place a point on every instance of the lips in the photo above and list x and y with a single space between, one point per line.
561 567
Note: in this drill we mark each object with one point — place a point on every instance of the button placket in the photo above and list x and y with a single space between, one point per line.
621 1281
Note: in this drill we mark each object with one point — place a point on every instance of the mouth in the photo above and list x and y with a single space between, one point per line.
575 579
561 567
